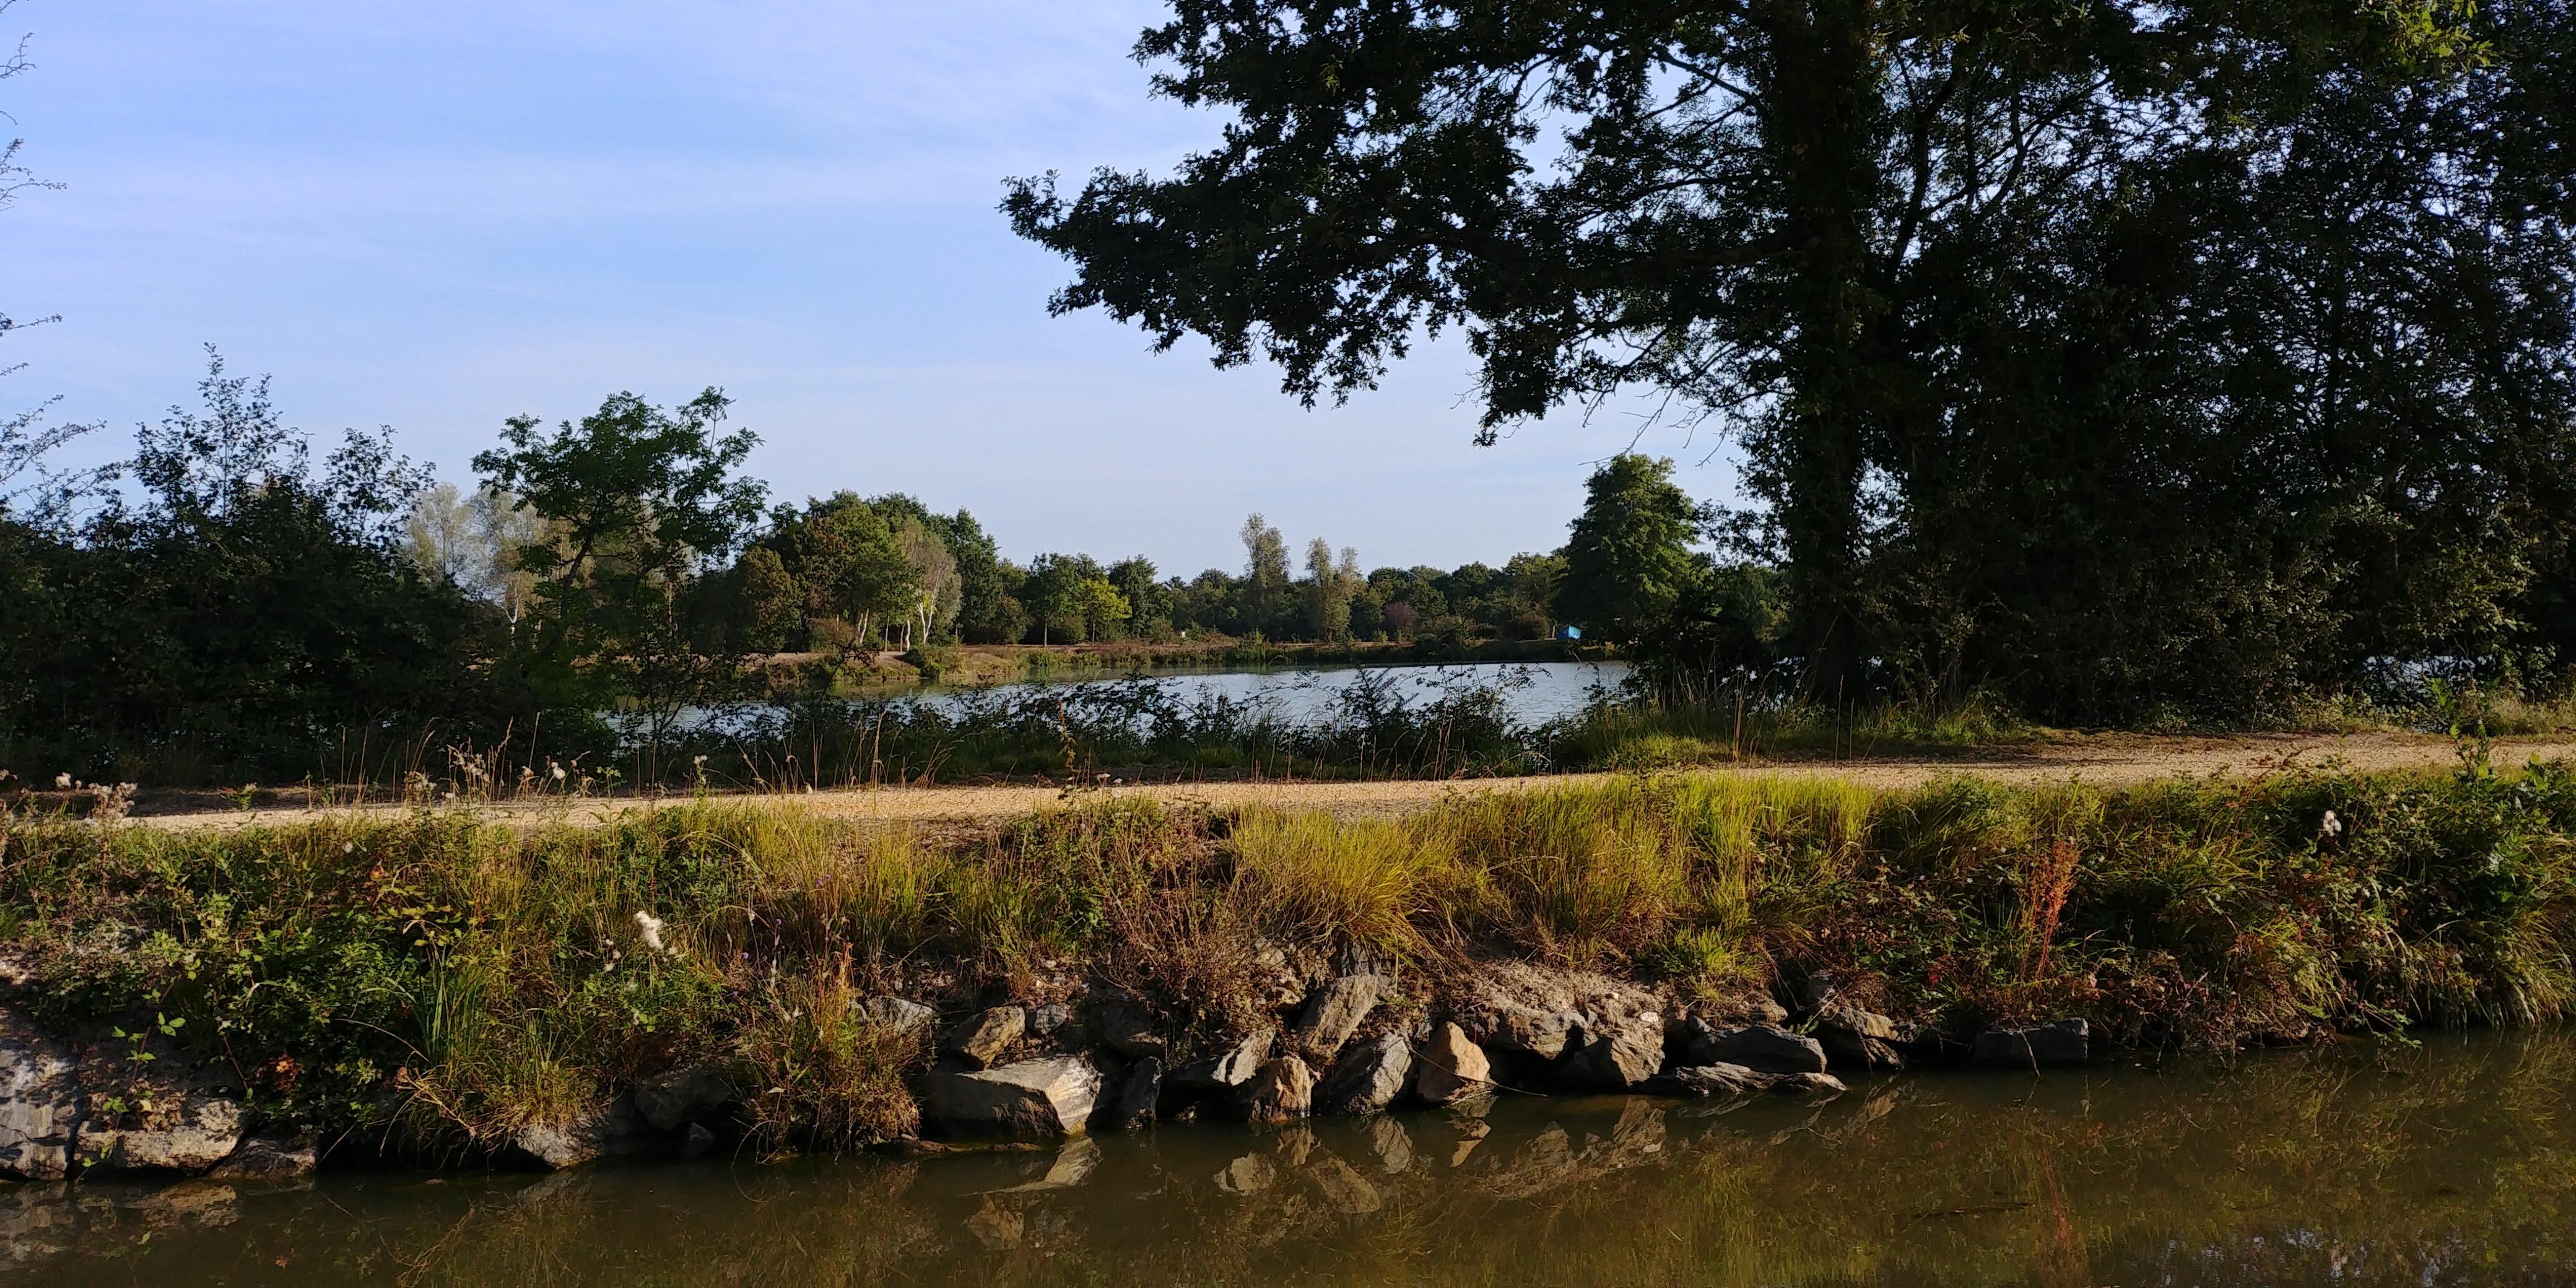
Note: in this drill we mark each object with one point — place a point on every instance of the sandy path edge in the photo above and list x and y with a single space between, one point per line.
2109 760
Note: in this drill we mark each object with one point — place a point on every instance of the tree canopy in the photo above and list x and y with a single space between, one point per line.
2116 353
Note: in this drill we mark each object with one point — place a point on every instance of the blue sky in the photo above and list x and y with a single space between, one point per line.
436 216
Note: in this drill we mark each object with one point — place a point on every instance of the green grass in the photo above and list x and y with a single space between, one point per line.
446 980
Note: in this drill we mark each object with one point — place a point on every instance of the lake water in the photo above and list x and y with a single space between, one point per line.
1533 692
2453 1163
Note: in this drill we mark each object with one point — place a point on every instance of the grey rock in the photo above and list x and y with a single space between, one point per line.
695 1142
2037 1046
204 1131
605 1133
1031 1100
897 1014
683 1095
39 1102
1045 1020
1525 1030
1736 1080
985 1036
1367 1077
1616 1055
1124 1026
1449 1068
1763 1048
1225 1070
1282 1090
1857 1039
1132 1105
1335 1012
262 1158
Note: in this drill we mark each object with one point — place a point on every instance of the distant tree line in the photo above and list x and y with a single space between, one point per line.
224 605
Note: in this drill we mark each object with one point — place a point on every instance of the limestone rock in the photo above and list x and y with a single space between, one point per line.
39 1102
1045 1020
1449 1068
2061 1042
1527 1031
1034 1099
1227 1069
203 1130
1616 1055
695 1143
1736 1080
1124 1026
983 1039
896 1014
1131 1105
1525 1014
1368 1077
1763 1048
683 1095
1335 1011
1282 1090
608 1132
1857 1039
262 1158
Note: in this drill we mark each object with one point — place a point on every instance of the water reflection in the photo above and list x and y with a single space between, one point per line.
1530 692
2446 1165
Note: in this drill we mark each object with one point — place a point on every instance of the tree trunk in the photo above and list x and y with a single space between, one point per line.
1822 125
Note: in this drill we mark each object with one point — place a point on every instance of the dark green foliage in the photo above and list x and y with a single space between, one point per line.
637 502
2130 360
245 615
1629 565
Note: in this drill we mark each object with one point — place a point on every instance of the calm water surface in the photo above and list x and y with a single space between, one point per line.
2450 1164
1533 692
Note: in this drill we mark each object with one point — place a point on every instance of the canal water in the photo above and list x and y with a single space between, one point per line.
2449 1163
1530 692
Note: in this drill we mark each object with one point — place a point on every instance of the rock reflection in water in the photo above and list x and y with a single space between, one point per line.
2447 1165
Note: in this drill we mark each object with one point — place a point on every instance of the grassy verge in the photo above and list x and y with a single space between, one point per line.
446 981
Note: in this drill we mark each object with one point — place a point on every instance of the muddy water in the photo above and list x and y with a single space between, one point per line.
2454 1163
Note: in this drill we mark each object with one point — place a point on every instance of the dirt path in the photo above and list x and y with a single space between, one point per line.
2109 759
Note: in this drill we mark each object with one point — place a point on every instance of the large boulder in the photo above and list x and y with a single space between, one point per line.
191 1136
985 1036
2036 1046
1225 1070
1736 1080
1516 1029
610 1131
39 1102
1335 1012
264 1158
1854 1038
683 1095
1764 1048
1123 1025
1032 1100
1615 1054
1131 1104
1449 1068
1367 1077
1282 1090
